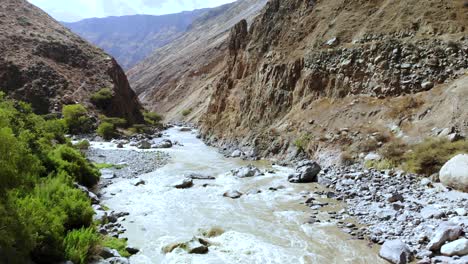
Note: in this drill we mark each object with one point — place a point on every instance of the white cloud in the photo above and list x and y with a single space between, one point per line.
73 10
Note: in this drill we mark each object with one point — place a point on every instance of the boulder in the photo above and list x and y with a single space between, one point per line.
232 194
138 182
132 250
118 260
236 154
445 232
185 129
456 248
427 85
372 156
395 251
184 184
306 171
194 246
144 145
107 174
163 144
109 253
245 172
454 173
198 176
120 145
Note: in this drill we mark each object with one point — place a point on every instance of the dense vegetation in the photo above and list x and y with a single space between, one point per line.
102 98
43 217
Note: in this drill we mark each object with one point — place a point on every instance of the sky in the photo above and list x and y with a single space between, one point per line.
74 10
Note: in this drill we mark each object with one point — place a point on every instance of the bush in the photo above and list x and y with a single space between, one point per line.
38 203
68 160
302 142
394 152
429 156
102 98
52 208
347 159
117 122
187 112
76 119
106 130
152 118
80 244
82 145
116 243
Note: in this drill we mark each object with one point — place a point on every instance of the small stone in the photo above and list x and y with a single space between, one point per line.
427 85
232 194
184 184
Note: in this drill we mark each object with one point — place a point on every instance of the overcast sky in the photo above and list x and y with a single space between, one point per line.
74 10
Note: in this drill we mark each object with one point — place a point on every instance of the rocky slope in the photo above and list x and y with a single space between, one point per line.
335 72
178 76
130 39
43 63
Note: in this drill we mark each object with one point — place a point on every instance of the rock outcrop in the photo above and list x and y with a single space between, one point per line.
43 63
301 59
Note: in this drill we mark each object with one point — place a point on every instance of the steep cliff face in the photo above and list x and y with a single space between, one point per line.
316 67
43 63
130 39
178 76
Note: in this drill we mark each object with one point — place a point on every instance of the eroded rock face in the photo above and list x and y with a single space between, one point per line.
43 63
455 173
289 60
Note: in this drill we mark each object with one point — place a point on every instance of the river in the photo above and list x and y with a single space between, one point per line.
265 227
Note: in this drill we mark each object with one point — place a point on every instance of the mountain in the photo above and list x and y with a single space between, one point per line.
316 75
131 39
45 64
177 76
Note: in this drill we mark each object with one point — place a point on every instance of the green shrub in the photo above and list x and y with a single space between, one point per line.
394 152
139 128
80 244
117 122
302 142
38 203
379 164
152 118
82 145
102 98
429 156
116 243
69 160
76 119
187 112
106 131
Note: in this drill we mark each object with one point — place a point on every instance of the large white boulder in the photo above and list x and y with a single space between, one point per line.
396 252
458 247
454 173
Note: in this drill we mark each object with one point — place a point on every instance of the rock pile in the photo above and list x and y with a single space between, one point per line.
396 206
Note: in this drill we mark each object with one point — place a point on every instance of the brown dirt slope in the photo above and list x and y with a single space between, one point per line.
45 64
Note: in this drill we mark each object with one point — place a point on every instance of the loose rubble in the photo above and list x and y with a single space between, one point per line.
394 205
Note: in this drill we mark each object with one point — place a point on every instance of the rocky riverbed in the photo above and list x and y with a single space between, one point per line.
394 205
413 218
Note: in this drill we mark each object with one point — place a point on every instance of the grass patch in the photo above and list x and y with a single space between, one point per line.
80 244
187 112
118 244
429 156
404 107
101 166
